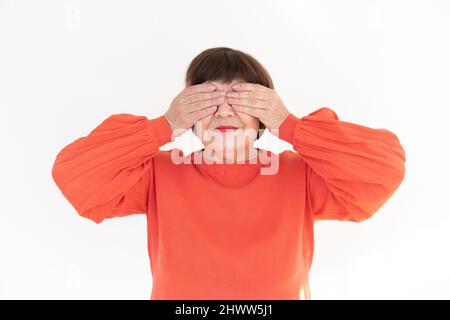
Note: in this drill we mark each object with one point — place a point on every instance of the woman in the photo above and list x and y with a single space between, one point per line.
220 229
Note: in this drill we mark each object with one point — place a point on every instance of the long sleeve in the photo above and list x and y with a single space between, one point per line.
352 170
108 173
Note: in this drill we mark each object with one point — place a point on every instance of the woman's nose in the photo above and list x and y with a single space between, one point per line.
224 109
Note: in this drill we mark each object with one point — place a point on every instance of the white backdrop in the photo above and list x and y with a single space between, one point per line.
67 65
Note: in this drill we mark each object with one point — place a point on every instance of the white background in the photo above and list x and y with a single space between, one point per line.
67 65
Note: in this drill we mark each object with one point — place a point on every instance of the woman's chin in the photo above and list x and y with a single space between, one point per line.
235 154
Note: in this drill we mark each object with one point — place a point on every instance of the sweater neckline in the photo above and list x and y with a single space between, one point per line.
230 175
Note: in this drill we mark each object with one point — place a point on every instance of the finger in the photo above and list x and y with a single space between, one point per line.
261 104
261 95
247 86
202 87
256 112
202 96
204 104
200 114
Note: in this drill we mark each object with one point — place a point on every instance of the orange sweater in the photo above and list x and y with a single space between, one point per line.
225 231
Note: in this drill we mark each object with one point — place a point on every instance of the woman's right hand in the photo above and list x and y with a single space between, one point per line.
192 104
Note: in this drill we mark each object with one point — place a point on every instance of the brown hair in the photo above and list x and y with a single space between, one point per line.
226 64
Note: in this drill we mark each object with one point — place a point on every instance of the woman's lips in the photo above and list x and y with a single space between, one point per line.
225 128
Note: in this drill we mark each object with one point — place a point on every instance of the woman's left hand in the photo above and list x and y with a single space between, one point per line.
258 101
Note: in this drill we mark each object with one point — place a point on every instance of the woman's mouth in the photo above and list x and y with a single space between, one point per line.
226 128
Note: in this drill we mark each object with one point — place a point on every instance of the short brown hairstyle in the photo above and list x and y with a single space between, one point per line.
226 64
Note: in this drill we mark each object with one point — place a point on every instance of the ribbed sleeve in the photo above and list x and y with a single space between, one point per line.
107 173
352 170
